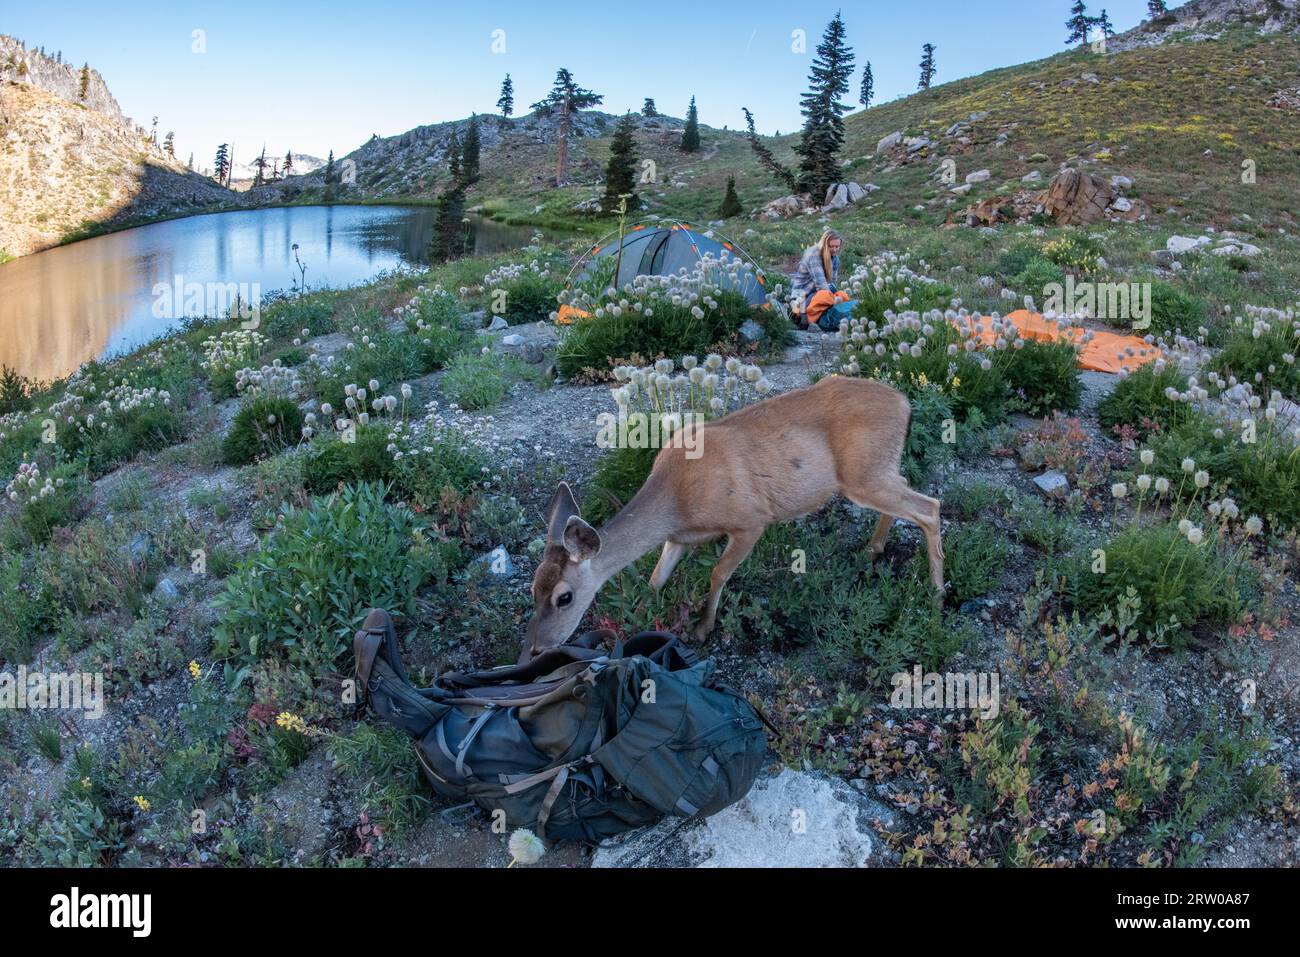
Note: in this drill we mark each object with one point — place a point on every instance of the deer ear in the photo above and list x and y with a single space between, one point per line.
561 509
580 539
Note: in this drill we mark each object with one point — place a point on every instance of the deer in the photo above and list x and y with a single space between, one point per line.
774 461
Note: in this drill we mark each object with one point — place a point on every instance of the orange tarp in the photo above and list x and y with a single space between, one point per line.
568 314
1104 352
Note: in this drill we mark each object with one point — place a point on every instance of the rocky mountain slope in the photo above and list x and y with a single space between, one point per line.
1177 123
71 165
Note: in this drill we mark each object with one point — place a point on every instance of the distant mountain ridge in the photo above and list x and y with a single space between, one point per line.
71 165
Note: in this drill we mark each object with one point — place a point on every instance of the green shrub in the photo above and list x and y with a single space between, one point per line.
522 293
381 356
15 391
620 473
1037 275
23 610
1265 353
478 380
289 317
1262 476
46 501
1014 261
332 461
305 591
976 554
1045 376
1172 309
1139 400
1180 585
265 425
661 316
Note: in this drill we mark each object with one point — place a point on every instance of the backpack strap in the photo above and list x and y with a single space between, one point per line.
377 631
539 667
663 648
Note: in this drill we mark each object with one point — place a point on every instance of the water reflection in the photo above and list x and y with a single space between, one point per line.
96 298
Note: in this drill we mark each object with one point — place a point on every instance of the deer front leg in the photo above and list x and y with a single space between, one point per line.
672 554
739 545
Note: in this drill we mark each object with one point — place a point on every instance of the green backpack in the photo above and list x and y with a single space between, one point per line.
577 744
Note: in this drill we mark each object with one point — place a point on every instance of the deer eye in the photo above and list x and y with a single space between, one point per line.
563 600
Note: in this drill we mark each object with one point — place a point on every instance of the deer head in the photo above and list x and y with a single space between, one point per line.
565 583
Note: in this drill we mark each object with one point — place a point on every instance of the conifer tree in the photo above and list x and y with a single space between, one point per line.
1078 24
288 163
1104 25
691 134
730 202
764 155
85 82
169 144
469 159
448 226
1156 9
868 87
565 99
648 108
221 165
620 173
453 159
506 101
823 127
928 68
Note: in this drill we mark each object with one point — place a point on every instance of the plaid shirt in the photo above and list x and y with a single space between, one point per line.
810 277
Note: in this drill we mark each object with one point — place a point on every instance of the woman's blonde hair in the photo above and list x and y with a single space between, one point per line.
824 245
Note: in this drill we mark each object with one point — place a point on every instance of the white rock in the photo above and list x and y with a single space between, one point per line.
1122 203
758 831
982 176
512 340
1053 484
889 142
1186 244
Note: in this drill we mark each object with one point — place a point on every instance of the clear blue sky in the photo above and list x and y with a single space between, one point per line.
312 76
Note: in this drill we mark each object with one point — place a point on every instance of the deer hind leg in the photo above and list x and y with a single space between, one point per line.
668 559
739 545
894 497
881 535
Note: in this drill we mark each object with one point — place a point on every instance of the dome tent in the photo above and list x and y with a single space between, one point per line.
662 248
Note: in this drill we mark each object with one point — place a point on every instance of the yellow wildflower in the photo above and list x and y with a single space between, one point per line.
142 803
291 722
195 670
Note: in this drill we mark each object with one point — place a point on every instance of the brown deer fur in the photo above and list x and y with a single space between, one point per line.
773 461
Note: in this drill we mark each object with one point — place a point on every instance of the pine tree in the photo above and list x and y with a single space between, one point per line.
221 165
1157 9
764 155
565 99
506 101
169 144
691 134
469 160
331 176
190 164
288 163
1104 25
453 160
620 174
648 107
260 165
153 131
448 228
1078 24
730 202
928 68
823 126
868 87
85 82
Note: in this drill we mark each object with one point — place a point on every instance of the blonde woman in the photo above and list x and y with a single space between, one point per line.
813 283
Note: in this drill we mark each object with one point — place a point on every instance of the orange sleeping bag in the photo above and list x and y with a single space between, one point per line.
1104 352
